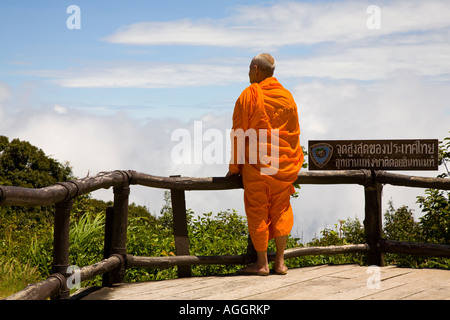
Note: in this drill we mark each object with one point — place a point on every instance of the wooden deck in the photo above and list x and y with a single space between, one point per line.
340 282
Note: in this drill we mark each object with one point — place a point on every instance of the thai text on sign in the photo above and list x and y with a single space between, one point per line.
373 154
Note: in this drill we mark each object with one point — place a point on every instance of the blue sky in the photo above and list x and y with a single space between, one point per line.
109 95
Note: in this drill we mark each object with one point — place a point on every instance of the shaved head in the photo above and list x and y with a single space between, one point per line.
265 62
261 67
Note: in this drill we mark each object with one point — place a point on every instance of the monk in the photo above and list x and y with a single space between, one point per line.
266 114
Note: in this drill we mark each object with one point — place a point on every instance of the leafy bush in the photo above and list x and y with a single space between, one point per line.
435 223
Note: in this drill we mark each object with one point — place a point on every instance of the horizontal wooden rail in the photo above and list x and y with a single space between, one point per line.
63 191
361 177
186 183
57 282
187 260
413 248
328 250
41 290
168 262
412 181
104 266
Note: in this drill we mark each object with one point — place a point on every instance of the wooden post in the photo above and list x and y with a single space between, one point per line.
106 282
373 221
119 231
61 244
180 230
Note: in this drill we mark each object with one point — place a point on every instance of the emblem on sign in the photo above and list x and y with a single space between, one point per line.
321 154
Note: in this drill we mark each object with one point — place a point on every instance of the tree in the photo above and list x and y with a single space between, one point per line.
435 222
399 224
24 165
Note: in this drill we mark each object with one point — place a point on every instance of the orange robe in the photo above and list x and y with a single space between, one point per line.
270 159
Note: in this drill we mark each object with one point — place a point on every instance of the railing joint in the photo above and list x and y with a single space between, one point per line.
63 290
131 176
123 259
62 279
368 178
125 179
129 260
71 193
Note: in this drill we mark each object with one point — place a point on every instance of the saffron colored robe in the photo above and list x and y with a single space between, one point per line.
270 159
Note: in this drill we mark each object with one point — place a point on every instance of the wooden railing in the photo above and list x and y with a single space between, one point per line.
116 260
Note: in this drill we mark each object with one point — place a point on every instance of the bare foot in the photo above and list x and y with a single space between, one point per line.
280 268
255 269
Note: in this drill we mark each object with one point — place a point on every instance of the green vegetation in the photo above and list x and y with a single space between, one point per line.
26 234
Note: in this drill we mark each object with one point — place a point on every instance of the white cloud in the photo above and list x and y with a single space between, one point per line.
182 32
405 106
60 109
146 75
5 93
363 63
289 23
423 54
373 63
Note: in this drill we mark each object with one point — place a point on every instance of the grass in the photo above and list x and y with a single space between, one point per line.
14 276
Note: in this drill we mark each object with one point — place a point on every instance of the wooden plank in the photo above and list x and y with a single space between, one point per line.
217 289
182 289
304 284
345 282
258 285
358 287
313 286
146 289
429 294
228 287
424 283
